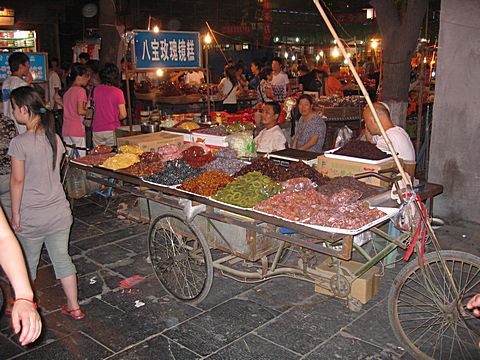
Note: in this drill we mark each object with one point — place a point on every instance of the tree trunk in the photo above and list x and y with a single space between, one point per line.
400 25
108 32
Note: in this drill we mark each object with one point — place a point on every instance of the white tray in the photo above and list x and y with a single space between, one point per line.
389 213
329 154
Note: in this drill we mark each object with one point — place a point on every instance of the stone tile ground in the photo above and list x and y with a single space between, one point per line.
278 319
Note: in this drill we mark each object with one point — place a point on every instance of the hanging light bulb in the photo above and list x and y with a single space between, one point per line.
374 44
159 72
207 39
293 57
317 57
156 29
286 55
335 52
321 53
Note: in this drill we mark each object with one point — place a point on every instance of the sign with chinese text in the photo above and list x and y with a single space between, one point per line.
38 66
167 49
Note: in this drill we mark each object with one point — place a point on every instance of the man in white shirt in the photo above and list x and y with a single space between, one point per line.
280 82
271 138
397 135
21 76
54 87
194 77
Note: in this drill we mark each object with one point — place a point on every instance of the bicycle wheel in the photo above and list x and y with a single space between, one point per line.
180 258
428 313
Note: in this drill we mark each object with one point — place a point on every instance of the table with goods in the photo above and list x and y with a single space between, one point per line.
269 218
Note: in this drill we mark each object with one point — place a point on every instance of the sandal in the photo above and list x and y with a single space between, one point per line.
71 313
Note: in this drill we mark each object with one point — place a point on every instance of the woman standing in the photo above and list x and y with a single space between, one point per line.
265 91
109 106
311 128
40 211
74 103
228 88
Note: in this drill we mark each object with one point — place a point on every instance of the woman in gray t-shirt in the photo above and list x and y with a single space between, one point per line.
311 128
40 211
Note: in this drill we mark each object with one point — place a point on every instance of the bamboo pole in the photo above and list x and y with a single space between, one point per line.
216 41
405 178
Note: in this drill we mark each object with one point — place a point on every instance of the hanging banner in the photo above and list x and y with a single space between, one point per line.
267 22
38 66
166 49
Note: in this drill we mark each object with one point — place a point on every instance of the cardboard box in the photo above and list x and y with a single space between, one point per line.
151 142
336 167
363 288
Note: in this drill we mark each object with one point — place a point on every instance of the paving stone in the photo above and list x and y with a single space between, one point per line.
281 293
118 329
51 298
110 224
157 348
45 278
8 348
94 284
343 348
148 289
110 236
87 211
81 230
253 347
218 327
306 326
108 254
137 244
75 346
223 289
136 265
160 312
84 265
368 325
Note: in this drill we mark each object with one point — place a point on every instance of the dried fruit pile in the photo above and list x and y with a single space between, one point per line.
280 173
169 152
346 182
362 149
207 183
196 157
174 173
248 190
150 163
120 161
338 210
94 159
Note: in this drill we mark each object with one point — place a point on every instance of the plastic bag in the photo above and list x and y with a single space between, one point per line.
242 143
343 136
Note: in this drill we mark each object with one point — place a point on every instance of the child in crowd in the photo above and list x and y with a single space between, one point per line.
40 211
271 138
20 68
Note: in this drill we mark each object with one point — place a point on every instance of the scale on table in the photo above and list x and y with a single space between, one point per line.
285 157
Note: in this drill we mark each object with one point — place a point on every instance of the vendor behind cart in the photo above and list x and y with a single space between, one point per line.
311 129
397 135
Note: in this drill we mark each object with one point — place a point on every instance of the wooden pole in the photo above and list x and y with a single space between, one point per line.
405 178
208 80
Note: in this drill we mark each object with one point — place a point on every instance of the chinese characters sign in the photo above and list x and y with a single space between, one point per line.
38 66
167 49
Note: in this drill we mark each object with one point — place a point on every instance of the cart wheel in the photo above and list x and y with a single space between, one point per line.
180 258
427 316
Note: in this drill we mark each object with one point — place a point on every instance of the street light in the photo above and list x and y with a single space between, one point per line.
335 52
207 39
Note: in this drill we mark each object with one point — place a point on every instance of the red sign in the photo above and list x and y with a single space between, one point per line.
267 22
236 29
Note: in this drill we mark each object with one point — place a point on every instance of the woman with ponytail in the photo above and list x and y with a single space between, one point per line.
75 107
40 211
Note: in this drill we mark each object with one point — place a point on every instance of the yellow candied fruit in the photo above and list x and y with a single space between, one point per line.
131 149
120 161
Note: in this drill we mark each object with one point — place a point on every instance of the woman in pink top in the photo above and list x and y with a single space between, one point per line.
74 104
109 106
